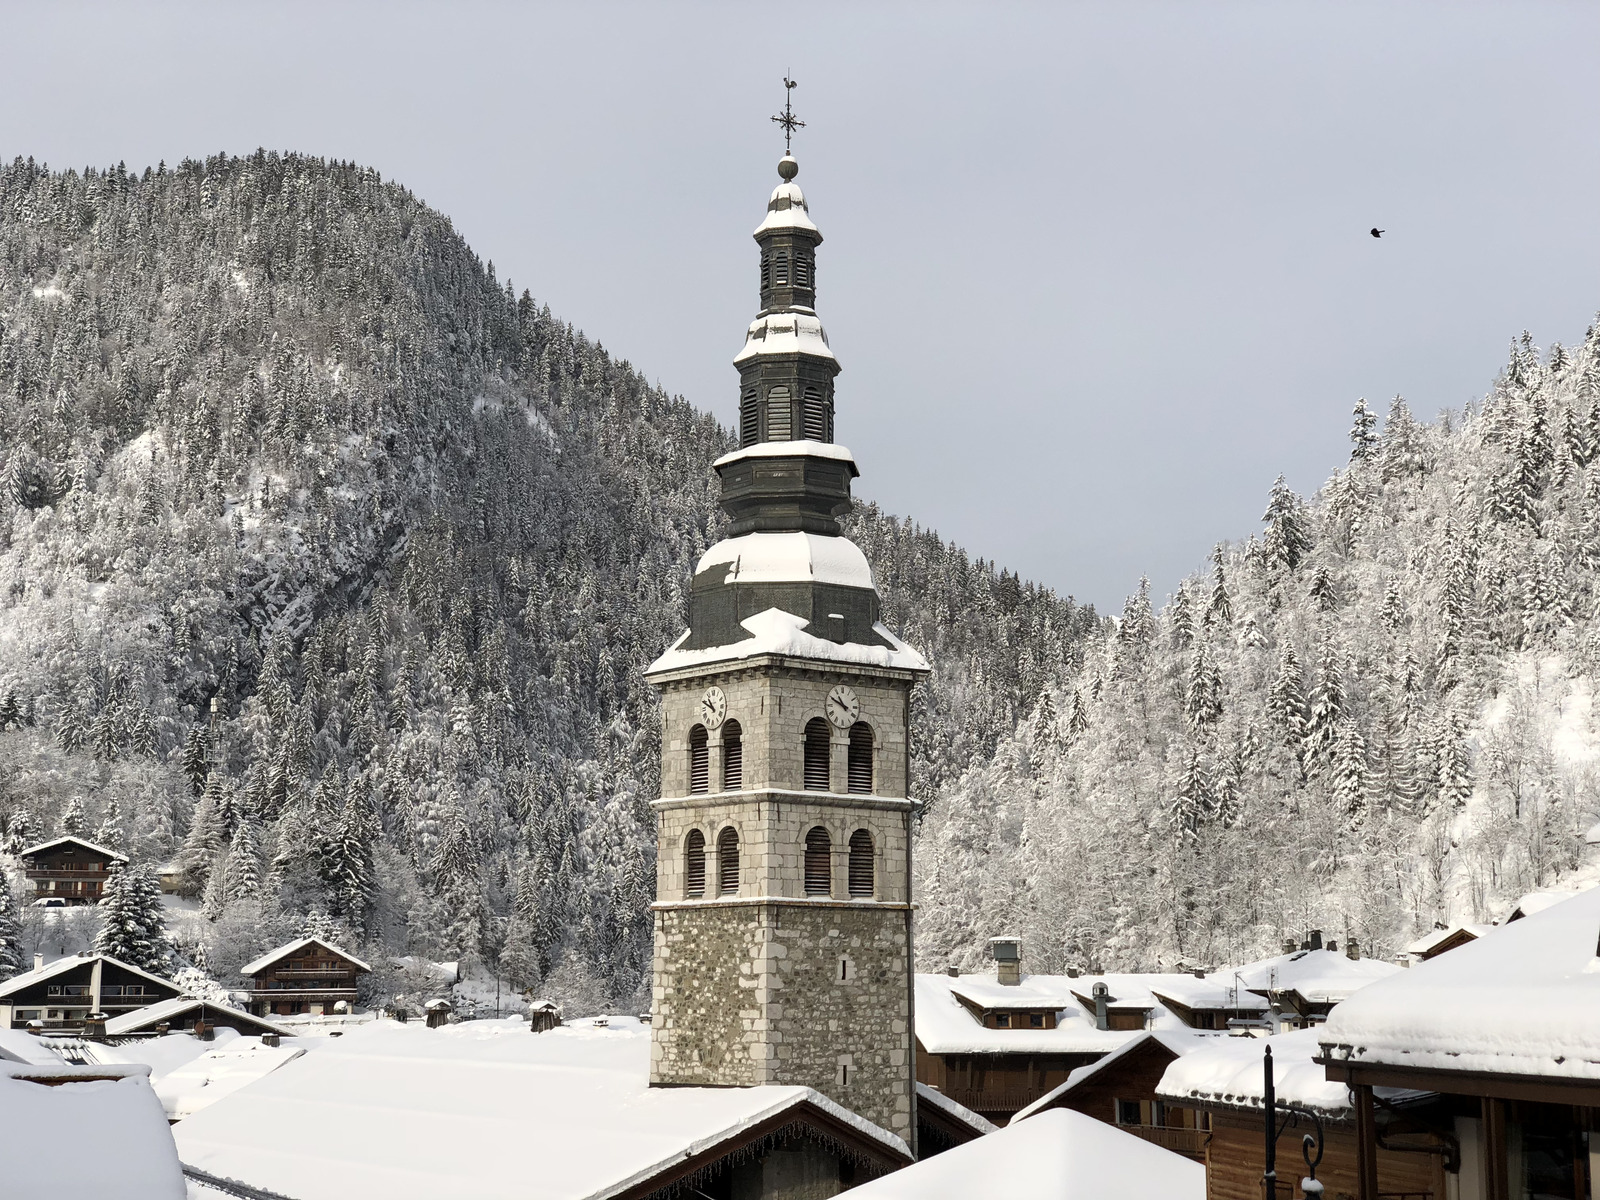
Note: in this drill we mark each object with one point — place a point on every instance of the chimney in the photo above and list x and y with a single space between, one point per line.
1290 945
38 962
1072 972
1101 992
953 972
1351 949
1007 953
1315 941
1199 972
94 1027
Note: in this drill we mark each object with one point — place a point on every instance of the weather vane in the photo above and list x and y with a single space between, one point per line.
788 120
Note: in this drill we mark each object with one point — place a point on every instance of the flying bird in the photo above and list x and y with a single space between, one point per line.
1376 232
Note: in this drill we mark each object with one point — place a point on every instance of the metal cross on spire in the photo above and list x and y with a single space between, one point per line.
788 120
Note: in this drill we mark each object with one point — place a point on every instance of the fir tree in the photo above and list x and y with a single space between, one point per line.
11 957
1220 610
109 832
1393 614
243 866
1077 716
10 712
133 929
1363 433
1286 540
1191 800
74 823
1327 708
1286 702
197 758
1203 699
1455 769
1321 590
1350 779
1044 723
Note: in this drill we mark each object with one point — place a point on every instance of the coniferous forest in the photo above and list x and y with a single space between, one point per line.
329 565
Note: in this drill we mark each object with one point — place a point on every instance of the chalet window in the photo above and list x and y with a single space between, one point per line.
813 417
1128 1112
819 862
699 762
750 418
732 757
817 747
1036 1020
861 881
1002 1020
780 422
694 864
860 773
728 862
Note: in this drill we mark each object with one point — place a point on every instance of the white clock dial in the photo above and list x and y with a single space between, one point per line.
713 707
843 707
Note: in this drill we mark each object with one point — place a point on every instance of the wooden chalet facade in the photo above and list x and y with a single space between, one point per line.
63 994
308 975
68 871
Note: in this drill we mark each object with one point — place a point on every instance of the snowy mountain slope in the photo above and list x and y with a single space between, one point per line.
273 437
1375 716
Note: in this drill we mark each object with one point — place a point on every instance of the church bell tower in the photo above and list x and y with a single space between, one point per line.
783 868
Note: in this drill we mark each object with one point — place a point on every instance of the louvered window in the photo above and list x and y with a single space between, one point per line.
699 762
817 755
813 416
766 271
694 865
750 418
728 862
819 863
732 757
802 270
780 272
860 763
779 420
861 863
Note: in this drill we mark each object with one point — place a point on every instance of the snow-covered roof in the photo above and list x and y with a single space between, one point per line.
462 1111
787 331
1178 1043
798 446
20 1046
1537 902
784 635
1520 1002
1318 976
73 839
1034 991
294 947
1058 1155
789 558
1228 1071
934 1098
115 1123
1424 944
61 965
786 209
152 1015
945 1026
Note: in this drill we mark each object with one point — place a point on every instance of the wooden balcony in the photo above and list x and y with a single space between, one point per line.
1191 1143
991 1102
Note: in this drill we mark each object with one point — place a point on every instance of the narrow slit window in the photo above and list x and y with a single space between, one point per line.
780 422
814 418
860 761
732 757
699 762
819 862
861 869
750 418
728 862
694 865
802 270
817 755
780 271
766 271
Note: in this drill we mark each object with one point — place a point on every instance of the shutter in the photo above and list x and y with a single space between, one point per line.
819 862
749 418
732 757
861 864
728 862
802 270
860 761
780 274
780 422
766 272
817 755
814 419
699 762
694 866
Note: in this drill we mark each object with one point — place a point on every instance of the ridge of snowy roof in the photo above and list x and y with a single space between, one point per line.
272 956
165 1010
81 841
50 970
1179 1043
789 557
1423 944
783 634
960 1112
946 1026
809 447
1521 1002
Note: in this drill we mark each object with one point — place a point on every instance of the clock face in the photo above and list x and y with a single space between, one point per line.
843 707
713 707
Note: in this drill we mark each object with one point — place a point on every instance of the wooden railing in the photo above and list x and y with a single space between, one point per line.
994 1100
1190 1142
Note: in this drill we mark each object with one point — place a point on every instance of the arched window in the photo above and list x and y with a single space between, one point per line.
728 862
861 863
694 865
780 420
817 755
699 762
732 757
860 762
819 863
780 274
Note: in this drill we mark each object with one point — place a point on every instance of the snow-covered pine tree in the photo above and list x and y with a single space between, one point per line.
1327 708
75 822
1321 590
109 832
133 928
11 958
1286 702
197 758
1363 432
1287 539
1191 803
1219 611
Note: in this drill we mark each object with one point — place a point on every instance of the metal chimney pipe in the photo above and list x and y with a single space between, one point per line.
1101 992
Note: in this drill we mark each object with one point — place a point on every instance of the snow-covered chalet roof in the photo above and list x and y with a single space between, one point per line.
1318 976
482 1109
1521 1002
784 635
189 1074
789 558
294 947
61 965
71 839
934 1098
1176 1042
1537 902
1057 1155
152 1015
787 331
1035 991
1426 943
103 1119
945 1026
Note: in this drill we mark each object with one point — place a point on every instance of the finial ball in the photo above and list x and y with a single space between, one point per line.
787 167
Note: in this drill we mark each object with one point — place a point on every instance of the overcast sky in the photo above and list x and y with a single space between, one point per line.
1096 273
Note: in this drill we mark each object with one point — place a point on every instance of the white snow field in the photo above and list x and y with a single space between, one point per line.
482 1109
1057 1155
